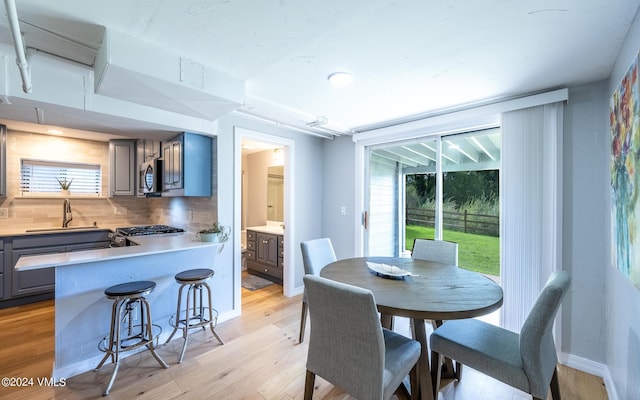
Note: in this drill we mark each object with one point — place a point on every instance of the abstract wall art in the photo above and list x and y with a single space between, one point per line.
624 121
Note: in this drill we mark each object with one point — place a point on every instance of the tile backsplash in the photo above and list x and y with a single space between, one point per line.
189 213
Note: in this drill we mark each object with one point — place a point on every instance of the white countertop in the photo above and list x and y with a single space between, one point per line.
275 230
152 244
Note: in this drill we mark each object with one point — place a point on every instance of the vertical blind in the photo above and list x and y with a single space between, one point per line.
41 177
531 206
383 207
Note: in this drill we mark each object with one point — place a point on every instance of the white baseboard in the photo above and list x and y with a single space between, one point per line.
297 291
593 368
583 364
226 316
612 393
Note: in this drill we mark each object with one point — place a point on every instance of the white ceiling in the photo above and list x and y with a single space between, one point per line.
408 58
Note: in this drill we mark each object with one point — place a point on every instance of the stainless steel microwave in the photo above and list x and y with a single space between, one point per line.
150 177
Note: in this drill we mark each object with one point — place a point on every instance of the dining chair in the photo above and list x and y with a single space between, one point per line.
526 361
349 348
316 254
440 251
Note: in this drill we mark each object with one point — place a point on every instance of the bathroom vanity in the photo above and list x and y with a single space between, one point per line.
265 251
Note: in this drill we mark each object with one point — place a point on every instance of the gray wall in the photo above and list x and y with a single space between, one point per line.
339 191
585 190
622 302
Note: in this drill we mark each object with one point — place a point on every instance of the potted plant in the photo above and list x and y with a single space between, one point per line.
64 184
215 233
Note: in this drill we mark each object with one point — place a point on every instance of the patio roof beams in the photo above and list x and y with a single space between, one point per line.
469 151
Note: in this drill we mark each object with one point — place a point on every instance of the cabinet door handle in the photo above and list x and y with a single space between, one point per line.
265 241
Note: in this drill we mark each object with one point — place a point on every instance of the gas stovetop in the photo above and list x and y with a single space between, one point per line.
148 230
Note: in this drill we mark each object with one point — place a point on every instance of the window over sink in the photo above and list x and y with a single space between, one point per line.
42 177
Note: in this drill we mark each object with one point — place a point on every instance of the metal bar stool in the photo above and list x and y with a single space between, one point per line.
194 314
128 301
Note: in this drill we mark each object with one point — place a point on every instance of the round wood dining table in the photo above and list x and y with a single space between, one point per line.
433 291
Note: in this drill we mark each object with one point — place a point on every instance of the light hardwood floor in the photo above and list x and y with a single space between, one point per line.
260 360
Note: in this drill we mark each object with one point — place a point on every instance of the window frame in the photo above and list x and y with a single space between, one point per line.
38 178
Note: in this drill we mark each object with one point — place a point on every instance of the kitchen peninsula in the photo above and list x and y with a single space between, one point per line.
82 311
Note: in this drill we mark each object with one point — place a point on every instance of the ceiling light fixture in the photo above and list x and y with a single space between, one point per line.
340 78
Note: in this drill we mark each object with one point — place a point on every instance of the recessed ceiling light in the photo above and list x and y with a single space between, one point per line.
339 78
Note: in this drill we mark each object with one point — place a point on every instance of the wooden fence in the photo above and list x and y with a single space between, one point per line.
458 221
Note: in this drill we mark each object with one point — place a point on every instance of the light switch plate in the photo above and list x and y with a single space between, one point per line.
4 213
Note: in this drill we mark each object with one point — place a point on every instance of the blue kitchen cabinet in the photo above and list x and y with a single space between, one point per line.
188 165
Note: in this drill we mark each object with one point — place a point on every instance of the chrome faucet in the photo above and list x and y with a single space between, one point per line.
66 213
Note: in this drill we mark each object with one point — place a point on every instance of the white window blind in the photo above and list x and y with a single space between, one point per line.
531 206
41 177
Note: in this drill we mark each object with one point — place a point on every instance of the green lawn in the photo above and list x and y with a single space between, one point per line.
475 252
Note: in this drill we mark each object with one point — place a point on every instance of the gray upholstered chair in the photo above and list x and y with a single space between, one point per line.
440 251
435 250
316 254
526 361
349 348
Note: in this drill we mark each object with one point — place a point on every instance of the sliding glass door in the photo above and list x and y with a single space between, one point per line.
471 198
438 187
383 215
388 193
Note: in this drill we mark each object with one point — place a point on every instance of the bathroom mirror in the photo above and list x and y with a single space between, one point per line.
275 193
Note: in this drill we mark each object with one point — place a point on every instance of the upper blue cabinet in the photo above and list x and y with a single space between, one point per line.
188 165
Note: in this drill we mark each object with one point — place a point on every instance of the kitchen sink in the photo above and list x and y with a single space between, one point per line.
73 228
96 237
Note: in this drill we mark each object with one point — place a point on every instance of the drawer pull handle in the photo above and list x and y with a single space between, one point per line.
266 270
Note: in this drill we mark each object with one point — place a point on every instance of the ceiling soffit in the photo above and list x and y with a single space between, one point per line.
131 70
70 39
135 71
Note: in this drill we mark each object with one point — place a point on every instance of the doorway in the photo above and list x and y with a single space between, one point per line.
264 182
